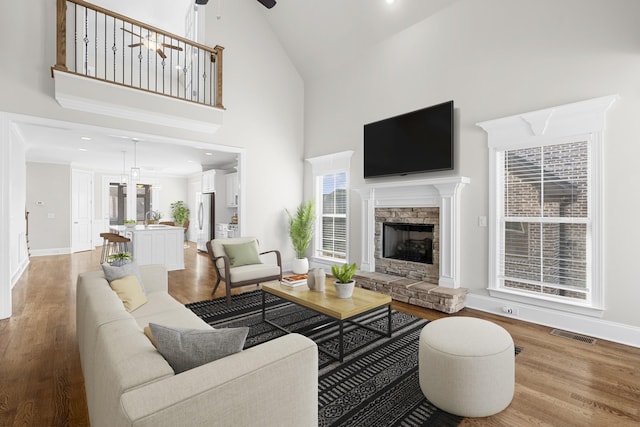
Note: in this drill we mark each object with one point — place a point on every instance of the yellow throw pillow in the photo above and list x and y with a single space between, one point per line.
129 291
149 334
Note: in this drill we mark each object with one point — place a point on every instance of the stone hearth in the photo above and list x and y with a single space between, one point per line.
414 291
426 201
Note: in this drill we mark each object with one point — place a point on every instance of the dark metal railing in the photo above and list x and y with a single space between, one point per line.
104 45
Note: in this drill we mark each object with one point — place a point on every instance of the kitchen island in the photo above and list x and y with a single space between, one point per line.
155 244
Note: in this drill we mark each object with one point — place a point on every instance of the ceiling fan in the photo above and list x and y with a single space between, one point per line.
151 43
266 3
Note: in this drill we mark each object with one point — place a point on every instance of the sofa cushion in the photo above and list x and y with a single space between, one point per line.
242 253
253 271
185 349
129 291
112 272
165 310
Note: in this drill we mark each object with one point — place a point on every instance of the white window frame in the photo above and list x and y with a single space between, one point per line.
581 121
321 166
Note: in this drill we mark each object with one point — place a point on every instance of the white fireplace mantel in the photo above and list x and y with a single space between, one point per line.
443 193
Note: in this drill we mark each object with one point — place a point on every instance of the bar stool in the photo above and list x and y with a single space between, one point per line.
113 243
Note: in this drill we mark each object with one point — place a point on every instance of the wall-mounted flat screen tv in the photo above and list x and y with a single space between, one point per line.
419 141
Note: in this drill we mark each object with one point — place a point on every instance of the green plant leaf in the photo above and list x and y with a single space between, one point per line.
344 273
301 227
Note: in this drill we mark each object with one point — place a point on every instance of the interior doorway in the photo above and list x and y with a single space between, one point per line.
81 210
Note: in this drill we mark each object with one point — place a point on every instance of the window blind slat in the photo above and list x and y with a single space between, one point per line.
547 251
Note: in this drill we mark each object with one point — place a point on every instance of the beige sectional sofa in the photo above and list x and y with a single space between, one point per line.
129 383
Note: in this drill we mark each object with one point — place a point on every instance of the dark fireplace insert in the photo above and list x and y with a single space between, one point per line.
408 242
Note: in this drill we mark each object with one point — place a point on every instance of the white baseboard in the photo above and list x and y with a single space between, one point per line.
16 275
51 251
585 325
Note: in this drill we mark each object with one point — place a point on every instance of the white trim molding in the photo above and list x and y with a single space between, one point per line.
597 328
5 216
580 121
328 164
95 96
443 193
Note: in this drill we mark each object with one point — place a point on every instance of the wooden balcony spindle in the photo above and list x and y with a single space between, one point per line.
218 51
61 36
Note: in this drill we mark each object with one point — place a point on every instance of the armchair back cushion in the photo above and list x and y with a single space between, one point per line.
217 245
242 253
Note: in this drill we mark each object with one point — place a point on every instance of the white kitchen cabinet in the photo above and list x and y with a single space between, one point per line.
232 189
156 244
208 181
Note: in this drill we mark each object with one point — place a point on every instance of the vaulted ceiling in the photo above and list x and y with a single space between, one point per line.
318 35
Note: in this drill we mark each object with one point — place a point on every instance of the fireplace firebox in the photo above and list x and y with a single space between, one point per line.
408 242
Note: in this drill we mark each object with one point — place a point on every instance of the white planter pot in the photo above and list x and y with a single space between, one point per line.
344 290
300 266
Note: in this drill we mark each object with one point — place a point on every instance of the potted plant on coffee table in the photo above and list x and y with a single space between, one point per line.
301 233
344 279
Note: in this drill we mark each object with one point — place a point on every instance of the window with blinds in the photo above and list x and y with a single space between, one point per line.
332 235
544 215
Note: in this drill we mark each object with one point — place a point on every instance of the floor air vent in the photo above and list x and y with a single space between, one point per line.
573 336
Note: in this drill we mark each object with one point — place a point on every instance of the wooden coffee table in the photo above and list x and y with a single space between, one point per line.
339 309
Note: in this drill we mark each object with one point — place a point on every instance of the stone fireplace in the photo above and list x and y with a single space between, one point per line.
431 202
411 242
407 242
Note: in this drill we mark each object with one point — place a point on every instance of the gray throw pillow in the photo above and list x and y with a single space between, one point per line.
186 349
112 272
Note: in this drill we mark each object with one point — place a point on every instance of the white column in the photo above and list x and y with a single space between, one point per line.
449 234
367 262
5 217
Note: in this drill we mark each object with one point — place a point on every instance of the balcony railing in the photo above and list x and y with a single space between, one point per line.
104 45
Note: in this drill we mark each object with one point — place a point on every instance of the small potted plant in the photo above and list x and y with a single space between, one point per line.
120 258
301 233
179 212
130 223
155 217
344 279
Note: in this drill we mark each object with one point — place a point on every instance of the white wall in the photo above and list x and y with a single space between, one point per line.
48 199
18 241
497 58
263 96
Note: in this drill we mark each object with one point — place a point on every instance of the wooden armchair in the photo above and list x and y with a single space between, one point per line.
238 263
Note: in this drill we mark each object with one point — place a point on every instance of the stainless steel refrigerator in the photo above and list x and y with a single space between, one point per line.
206 219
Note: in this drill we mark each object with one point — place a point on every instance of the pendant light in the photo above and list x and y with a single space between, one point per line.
135 170
123 176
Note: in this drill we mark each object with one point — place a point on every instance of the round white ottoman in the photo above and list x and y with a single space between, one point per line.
466 366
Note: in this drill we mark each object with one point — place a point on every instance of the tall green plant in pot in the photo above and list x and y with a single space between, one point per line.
301 232
179 212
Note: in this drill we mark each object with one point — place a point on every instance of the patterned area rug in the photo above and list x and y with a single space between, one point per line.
376 385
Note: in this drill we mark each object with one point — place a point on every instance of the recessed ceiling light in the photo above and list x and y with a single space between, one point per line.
390 1
82 149
208 154
85 138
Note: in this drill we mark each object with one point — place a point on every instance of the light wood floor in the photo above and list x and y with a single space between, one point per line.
559 382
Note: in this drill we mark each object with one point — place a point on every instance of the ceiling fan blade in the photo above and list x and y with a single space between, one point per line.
268 3
170 46
161 53
131 32
136 44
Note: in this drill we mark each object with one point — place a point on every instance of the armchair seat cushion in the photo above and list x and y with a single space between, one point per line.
253 272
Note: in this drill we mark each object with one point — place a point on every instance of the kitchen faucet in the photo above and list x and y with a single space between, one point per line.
147 215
